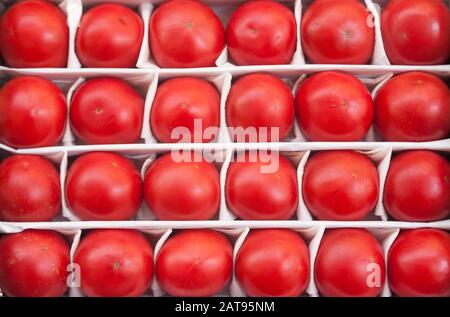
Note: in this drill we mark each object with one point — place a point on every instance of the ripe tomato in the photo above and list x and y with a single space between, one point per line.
416 32
413 107
334 106
253 194
29 189
178 103
185 33
109 35
34 34
103 186
33 263
262 102
419 263
337 32
349 262
417 187
106 110
195 263
114 263
260 33
182 190
273 262
340 185
33 112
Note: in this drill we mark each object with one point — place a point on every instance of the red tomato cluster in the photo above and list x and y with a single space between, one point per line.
188 33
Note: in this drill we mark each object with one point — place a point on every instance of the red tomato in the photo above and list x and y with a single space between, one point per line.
260 33
340 185
419 263
29 189
33 263
106 110
417 187
178 103
273 262
185 33
349 263
103 186
194 263
416 32
182 190
255 194
34 34
114 263
33 112
337 32
262 102
413 107
109 35
334 106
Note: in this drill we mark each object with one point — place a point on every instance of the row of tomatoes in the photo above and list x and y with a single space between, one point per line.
336 185
330 106
187 33
270 262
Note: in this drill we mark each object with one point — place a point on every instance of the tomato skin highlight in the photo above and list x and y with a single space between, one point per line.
106 110
337 32
413 107
178 103
260 101
182 190
110 35
333 106
33 263
30 189
115 263
419 263
34 34
261 33
273 262
255 195
416 32
345 261
185 33
417 186
340 185
195 263
103 186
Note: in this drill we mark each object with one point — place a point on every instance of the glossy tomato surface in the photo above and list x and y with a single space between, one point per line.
413 107
109 35
29 189
417 186
103 186
349 263
185 33
416 32
334 106
106 110
185 109
260 33
261 188
195 263
419 263
182 190
114 263
34 34
263 105
273 262
337 32
340 185
33 112
33 263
